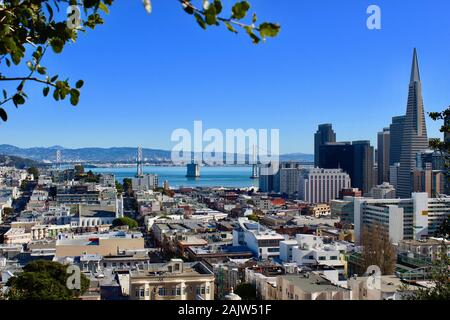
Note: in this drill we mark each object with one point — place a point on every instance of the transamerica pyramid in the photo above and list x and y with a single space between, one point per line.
414 132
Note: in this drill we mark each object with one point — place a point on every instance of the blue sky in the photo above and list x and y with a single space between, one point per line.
146 75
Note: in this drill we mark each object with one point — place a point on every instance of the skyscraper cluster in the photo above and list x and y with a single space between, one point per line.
402 157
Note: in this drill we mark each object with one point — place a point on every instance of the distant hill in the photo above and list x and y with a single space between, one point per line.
300 157
85 154
18 162
115 154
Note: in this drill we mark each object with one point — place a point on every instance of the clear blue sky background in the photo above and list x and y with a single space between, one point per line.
148 75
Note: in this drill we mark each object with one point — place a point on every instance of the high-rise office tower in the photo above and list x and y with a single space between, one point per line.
384 141
363 154
396 138
357 159
323 135
414 132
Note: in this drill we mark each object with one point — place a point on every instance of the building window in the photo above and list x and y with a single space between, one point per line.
321 258
333 258
162 291
142 292
178 291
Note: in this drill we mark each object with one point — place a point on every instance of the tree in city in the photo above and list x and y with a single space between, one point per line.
127 186
92 177
30 28
377 249
440 279
7 212
79 170
119 187
34 171
246 291
44 280
443 146
125 221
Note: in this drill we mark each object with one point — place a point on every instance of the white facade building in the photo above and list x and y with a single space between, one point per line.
147 182
322 185
404 219
263 242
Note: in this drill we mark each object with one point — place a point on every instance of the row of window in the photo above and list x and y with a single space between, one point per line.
174 291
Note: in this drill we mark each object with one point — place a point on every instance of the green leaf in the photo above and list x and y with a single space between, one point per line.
30 65
5 94
46 91
254 37
79 84
254 18
54 78
211 15
50 11
57 45
103 7
74 97
41 70
3 114
218 5
230 27
240 9
18 100
269 29
201 22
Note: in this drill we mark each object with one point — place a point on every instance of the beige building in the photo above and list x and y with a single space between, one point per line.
320 209
17 236
102 244
387 287
174 280
309 287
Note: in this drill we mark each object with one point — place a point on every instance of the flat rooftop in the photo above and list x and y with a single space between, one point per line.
313 283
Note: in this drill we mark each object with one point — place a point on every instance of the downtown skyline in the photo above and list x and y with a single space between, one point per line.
364 74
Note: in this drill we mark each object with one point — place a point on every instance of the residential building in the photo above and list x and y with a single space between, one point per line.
175 280
263 242
104 244
145 182
309 286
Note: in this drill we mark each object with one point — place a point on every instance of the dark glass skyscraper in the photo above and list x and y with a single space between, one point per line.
354 158
414 132
396 137
383 155
324 134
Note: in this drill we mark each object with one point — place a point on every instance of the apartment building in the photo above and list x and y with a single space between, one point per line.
309 286
175 280
263 242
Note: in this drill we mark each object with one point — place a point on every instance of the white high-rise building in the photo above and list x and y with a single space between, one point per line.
288 175
145 183
322 185
403 219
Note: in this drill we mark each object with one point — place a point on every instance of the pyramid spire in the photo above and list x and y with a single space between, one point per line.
415 73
